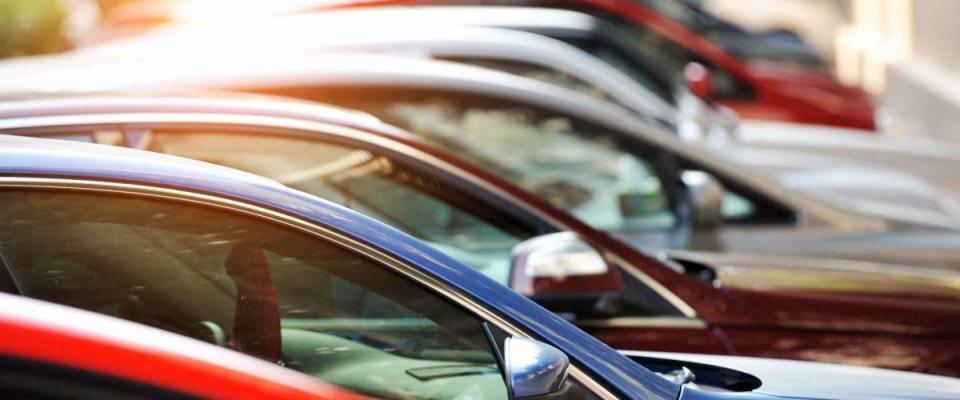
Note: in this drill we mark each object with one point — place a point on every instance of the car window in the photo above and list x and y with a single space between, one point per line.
644 50
566 80
579 168
646 73
414 202
247 284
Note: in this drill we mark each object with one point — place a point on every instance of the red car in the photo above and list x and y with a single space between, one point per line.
758 90
52 351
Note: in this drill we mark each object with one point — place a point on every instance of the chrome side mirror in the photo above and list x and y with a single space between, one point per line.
534 370
559 263
706 199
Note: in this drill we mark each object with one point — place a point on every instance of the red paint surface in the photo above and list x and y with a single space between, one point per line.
61 346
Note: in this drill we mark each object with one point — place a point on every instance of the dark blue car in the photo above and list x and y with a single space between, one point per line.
243 262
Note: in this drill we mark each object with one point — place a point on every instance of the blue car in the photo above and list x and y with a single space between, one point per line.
248 264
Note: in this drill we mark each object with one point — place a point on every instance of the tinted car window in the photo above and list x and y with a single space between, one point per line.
253 286
666 56
414 202
581 168
648 73
611 180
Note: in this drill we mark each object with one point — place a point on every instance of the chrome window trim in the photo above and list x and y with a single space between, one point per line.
313 229
272 123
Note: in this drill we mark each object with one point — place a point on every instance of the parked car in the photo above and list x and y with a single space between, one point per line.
840 162
643 199
768 91
48 351
849 312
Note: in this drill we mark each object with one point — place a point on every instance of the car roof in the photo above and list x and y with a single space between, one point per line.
65 336
531 17
448 32
17 106
48 158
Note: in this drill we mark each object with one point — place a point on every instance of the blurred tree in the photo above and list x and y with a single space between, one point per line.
31 27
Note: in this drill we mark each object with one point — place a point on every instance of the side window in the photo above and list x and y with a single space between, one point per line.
737 207
655 52
577 167
249 285
412 201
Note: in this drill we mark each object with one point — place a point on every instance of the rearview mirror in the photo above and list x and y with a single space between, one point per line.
565 274
698 79
534 370
705 196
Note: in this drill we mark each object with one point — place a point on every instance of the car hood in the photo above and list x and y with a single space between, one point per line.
888 194
785 146
799 379
912 180
840 295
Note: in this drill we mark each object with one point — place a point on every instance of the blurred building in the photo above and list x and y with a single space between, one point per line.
907 51
816 21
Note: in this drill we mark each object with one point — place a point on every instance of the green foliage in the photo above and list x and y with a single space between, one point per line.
31 27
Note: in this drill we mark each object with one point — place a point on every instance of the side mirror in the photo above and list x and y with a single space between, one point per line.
560 263
565 274
534 370
698 79
705 195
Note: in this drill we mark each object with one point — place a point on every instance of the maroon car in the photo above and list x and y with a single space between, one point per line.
820 310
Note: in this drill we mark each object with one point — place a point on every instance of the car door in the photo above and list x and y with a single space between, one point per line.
245 279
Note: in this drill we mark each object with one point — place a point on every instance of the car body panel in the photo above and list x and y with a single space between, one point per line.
67 337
